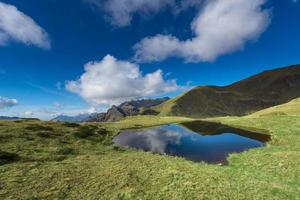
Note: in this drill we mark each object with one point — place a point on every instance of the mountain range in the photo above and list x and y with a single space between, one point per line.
77 118
9 118
6 118
116 113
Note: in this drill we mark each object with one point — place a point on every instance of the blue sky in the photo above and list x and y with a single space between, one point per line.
135 49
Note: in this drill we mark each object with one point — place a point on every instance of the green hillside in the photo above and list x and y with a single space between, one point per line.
291 108
258 92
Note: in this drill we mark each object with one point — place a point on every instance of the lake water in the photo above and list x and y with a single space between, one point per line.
196 141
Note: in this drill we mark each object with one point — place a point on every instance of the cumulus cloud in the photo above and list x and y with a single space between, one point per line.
111 81
16 26
120 12
221 27
6 102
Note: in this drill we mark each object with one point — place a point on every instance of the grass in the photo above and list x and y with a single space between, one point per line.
143 121
291 108
65 166
165 109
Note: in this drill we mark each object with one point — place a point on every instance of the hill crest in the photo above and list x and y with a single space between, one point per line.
263 90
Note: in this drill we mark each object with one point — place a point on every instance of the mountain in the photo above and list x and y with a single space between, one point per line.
255 93
129 108
9 118
291 108
77 118
144 103
116 113
5 118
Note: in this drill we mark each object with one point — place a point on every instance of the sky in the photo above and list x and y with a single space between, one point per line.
82 56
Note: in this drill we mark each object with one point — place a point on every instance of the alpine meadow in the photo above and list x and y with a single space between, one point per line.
158 100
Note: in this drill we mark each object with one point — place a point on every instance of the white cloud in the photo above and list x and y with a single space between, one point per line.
111 81
221 27
91 110
120 12
29 113
16 26
49 112
6 102
186 4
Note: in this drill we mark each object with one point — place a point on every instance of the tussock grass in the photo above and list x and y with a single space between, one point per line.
85 132
65 166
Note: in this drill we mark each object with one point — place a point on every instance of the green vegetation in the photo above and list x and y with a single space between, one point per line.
290 108
247 96
85 131
78 162
165 109
144 121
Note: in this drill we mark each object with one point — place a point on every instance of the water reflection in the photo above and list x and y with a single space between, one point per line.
155 139
197 141
213 128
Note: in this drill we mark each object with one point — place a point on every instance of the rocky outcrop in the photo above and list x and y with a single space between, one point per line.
129 108
99 117
114 114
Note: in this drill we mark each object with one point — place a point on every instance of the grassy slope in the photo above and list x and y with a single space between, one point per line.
99 171
290 108
165 109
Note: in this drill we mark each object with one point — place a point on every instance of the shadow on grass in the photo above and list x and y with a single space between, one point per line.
71 125
7 157
66 151
37 127
84 132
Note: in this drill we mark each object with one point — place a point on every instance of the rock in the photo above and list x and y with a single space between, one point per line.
99 117
128 109
114 114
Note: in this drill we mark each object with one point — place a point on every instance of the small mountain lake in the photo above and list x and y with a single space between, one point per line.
197 141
